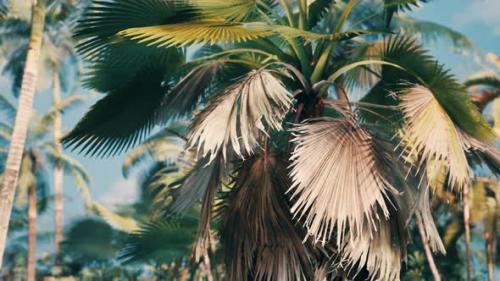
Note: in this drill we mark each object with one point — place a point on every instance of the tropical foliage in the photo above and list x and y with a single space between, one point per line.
270 150
274 140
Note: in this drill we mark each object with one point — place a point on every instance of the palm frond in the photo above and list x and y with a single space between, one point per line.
43 123
416 66
183 98
490 80
259 239
122 118
104 19
480 152
394 6
165 149
345 182
238 115
122 223
317 10
7 108
232 10
381 253
424 215
432 32
159 241
185 34
222 32
430 135
203 235
75 169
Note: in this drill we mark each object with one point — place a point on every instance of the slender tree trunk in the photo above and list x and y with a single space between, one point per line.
490 254
24 109
427 249
467 232
32 214
58 169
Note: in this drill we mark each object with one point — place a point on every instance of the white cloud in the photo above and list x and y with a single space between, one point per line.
485 12
122 191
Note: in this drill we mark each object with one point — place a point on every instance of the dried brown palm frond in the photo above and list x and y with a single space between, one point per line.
210 180
430 134
238 117
341 177
258 236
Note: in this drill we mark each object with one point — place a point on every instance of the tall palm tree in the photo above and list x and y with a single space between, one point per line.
13 162
39 153
61 65
269 92
484 88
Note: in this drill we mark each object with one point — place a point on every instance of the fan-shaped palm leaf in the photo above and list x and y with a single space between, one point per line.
236 117
430 135
346 182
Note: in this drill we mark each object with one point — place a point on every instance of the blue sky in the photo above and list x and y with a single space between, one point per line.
477 19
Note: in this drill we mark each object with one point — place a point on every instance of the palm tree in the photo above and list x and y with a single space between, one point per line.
39 152
13 162
295 163
62 67
484 88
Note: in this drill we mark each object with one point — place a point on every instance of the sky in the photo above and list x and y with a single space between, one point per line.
477 19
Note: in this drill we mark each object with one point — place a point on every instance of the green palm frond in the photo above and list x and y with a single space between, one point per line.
107 128
491 81
346 181
72 167
432 32
256 100
199 83
160 241
104 19
122 223
416 66
394 6
7 108
232 10
164 148
43 123
317 10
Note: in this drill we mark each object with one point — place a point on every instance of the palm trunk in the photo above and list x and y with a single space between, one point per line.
32 214
58 170
467 232
490 254
427 250
24 109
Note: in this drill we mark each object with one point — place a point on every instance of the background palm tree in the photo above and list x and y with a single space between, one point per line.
16 149
61 67
262 66
39 152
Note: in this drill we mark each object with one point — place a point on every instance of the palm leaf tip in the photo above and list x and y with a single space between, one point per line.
341 185
239 116
430 134
380 254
